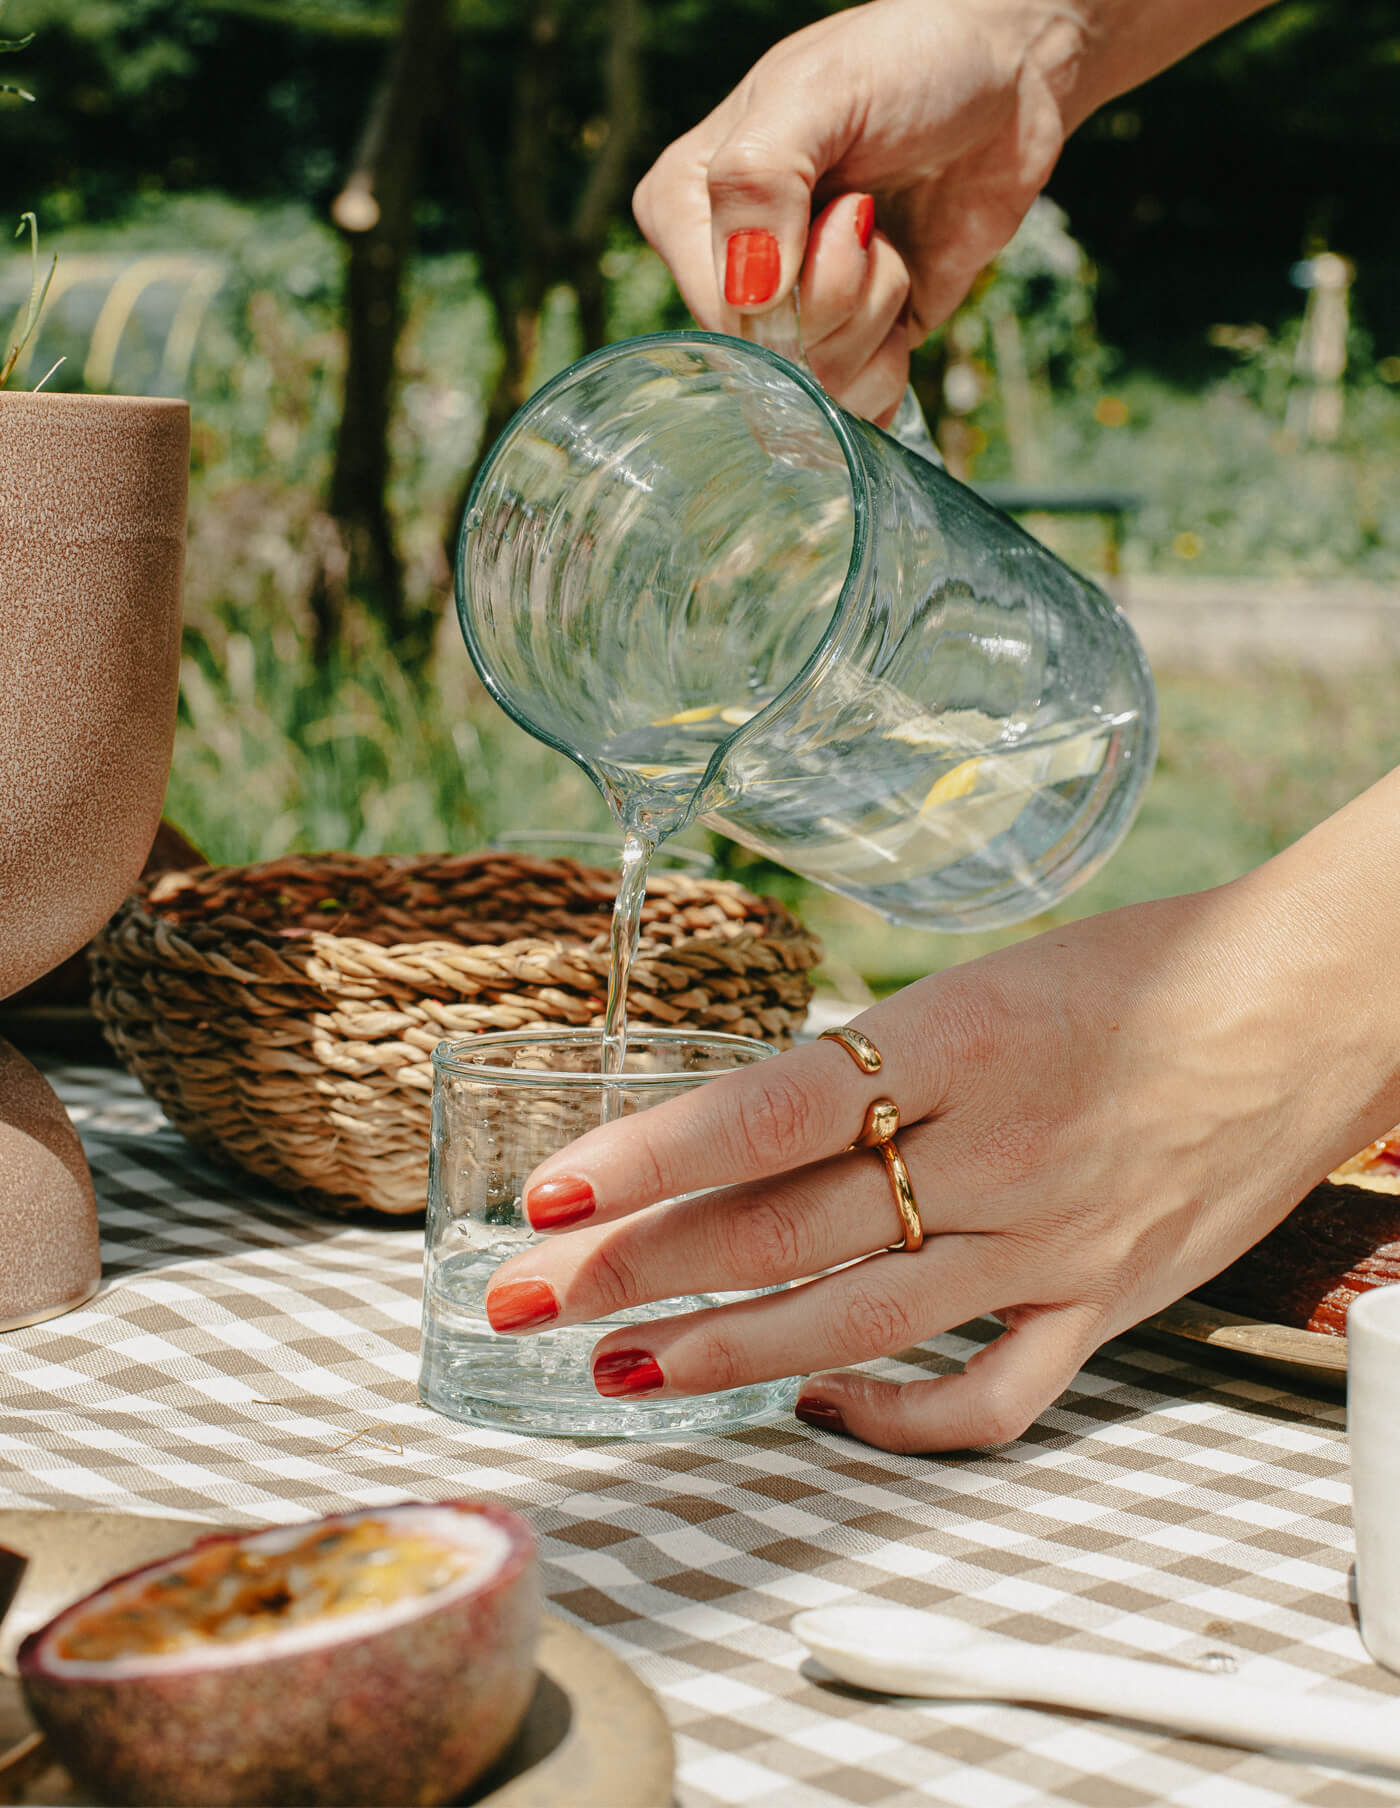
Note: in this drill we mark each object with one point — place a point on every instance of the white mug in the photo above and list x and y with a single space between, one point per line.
1373 1426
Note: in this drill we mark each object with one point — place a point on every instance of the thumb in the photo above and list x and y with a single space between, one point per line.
998 1396
760 182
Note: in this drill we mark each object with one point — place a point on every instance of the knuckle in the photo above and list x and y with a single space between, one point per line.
610 1278
775 1125
976 1026
647 199
656 196
903 1433
773 1232
649 1175
712 1362
1001 1417
641 205
875 1324
741 170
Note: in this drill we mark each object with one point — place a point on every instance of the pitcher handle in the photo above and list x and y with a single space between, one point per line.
780 331
911 429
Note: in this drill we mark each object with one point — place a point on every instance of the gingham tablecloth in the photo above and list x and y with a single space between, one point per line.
248 1362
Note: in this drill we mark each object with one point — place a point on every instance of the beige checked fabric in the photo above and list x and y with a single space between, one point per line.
249 1362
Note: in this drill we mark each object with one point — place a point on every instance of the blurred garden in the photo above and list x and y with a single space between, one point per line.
356 234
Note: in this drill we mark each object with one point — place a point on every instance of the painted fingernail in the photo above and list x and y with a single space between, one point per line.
865 220
820 1413
753 267
627 1372
554 1203
521 1305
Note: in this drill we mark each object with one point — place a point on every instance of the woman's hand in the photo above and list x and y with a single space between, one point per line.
1094 1122
918 132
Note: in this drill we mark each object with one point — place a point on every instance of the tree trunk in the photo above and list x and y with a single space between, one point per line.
374 211
548 253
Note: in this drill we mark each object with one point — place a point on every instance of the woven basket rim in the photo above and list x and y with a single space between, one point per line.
764 917
507 933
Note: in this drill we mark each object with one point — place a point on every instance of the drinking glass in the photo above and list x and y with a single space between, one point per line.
501 1104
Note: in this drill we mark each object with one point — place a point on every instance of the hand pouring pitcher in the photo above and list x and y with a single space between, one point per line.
685 567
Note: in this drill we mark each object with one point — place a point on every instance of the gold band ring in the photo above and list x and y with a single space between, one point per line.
877 1133
869 1060
905 1203
881 1122
860 1048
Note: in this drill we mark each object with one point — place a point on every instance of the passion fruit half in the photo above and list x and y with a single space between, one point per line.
377 1657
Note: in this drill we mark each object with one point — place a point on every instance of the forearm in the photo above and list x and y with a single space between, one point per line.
1124 42
1334 897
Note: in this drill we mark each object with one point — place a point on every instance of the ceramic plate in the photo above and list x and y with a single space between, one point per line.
1302 1355
593 1734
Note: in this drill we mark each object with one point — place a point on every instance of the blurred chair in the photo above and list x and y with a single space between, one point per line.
123 323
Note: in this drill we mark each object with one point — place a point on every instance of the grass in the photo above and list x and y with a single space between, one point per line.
274 756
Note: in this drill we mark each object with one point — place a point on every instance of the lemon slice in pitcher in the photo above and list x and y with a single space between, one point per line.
963 812
957 781
732 715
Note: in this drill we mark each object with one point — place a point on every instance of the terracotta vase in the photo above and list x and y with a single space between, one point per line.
92 542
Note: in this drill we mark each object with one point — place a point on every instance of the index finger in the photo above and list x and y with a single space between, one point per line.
750 1124
671 205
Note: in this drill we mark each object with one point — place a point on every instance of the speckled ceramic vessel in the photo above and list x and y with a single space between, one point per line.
92 541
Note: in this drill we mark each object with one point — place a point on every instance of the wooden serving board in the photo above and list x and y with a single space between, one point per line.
1303 1355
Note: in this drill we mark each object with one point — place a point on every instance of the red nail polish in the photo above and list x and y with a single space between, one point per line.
865 220
627 1372
554 1203
521 1305
753 267
820 1413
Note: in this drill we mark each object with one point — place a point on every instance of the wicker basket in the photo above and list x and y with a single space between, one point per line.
284 1014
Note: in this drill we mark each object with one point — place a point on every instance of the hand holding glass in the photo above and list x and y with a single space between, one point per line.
501 1105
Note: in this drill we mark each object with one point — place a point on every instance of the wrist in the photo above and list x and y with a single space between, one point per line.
1126 42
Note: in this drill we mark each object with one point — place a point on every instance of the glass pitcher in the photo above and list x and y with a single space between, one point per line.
689 570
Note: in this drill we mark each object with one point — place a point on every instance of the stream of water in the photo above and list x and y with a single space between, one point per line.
637 850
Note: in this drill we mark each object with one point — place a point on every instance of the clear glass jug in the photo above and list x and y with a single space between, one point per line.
686 568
